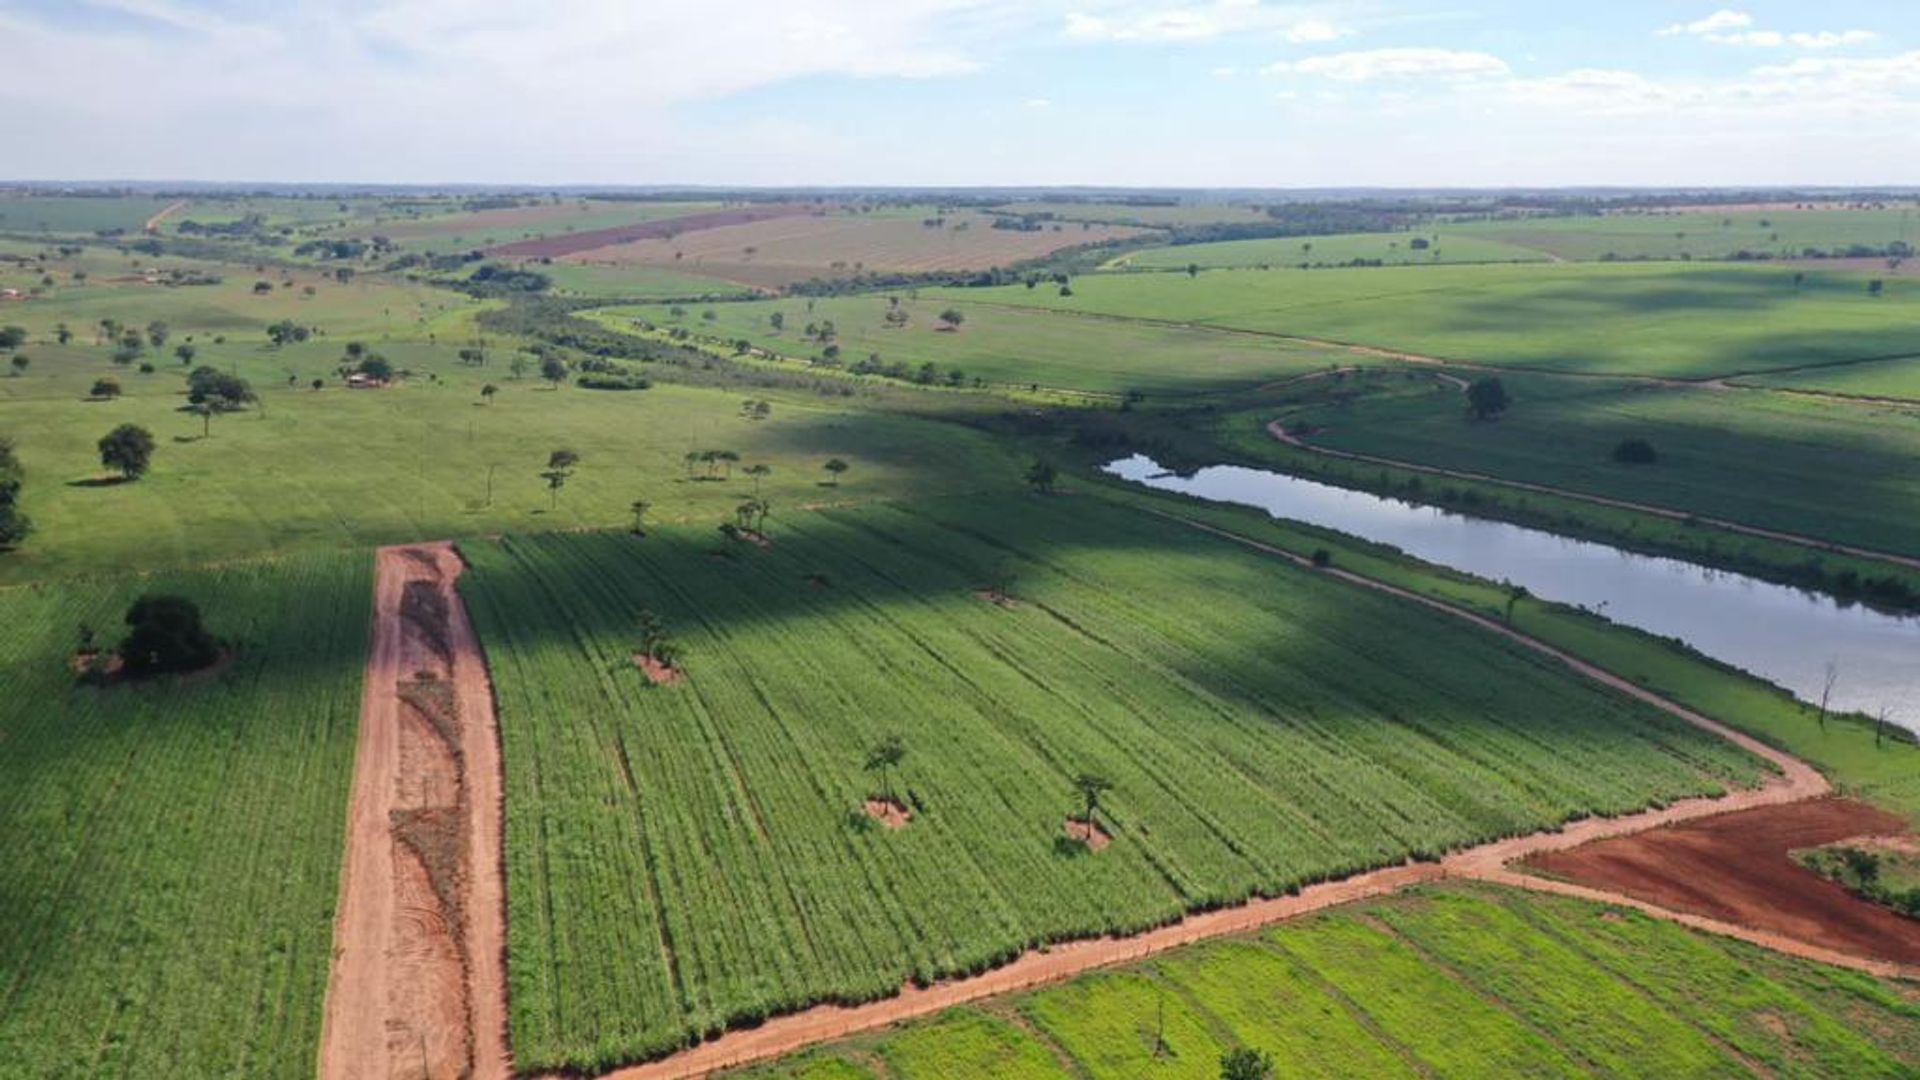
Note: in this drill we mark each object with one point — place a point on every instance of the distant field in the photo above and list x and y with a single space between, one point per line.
1004 345
77 214
1835 470
1665 319
690 857
1708 234
634 282
1451 981
841 244
1151 216
1884 378
169 853
1393 249
486 228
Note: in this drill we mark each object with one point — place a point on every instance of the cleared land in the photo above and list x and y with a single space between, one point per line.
1443 246
840 243
1154 216
169 850
1837 470
1445 981
644 227
1001 705
1652 319
1003 346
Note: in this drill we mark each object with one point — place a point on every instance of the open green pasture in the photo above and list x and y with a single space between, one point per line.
1898 378
1445 981
337 467
169 850
1648 319
1001 345
688 857
633 282
1445 246
77 214
461 230
1841 471
1705 234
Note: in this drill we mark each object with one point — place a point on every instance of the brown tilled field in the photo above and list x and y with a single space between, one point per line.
781 251
1736 868
664 230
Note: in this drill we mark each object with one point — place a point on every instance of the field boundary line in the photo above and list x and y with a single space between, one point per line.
1797 781
1278 430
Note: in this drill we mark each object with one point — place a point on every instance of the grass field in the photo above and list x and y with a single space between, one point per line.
1705 234
1394 249
841 244
1298 731
1883 378
77 214
634 282
170 850
1838 470
1002 345
463 230
1671 320
1447 981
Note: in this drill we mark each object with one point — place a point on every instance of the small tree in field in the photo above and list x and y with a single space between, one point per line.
951 319
553 370
758 472
20 364
1515 594
1487 398
1091 786
1826 690
1041 475
127 448
487 392
883 758
165 634
835 467
639 508
1245 1064
105 388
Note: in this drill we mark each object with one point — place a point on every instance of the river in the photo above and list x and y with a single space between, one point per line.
1784 635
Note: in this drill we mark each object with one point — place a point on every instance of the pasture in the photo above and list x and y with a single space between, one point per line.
685 858
463 230
171 847
77 214
1687 322
1838 470
1898 378
1447 981
847 242
1000 345
1153 216
1443 246
1708 233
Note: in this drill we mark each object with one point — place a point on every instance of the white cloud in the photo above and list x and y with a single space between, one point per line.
1128 22
1038 104
1717 22
1374 64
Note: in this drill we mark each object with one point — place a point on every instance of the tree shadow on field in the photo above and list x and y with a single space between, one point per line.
99 482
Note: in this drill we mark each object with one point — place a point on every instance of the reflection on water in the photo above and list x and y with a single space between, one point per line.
1781 634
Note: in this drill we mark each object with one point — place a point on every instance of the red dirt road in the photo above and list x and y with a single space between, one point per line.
418 986
1736 868
552 247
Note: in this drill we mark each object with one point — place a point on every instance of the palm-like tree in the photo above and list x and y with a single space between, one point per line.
883 757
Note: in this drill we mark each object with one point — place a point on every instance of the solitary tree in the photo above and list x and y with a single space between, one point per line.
556 479
758 471
1245 1064
1515 594
128 448
951 318
517 366
835 467
1091 786
488 391
185 353
1487 398
157 333
553 370
20 363
12 337
559 469
1040 476
639 508
62 333
883 757
165 634
105 387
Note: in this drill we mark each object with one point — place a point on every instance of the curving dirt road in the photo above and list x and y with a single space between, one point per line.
153 223
1276 429
1795 782
418 985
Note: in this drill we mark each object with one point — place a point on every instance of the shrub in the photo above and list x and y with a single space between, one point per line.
166 635
1635 452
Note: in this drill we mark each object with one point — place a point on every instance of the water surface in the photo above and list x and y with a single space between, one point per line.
1784 635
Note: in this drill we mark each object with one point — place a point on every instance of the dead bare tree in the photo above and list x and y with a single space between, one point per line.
1826 690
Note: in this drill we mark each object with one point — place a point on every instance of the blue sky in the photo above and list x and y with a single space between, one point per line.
1110 92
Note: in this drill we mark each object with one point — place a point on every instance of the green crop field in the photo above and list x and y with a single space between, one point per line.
1000 345
78 214
1446 246
1838 470
689 857
1650 319
169 861
634 283
1707 234
1453 981
1899 378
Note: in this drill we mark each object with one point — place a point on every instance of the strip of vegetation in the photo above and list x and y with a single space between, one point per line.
1887 877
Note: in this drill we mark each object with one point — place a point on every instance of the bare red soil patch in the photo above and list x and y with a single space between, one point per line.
889 812
552 247
1736 868
657 673
1088 833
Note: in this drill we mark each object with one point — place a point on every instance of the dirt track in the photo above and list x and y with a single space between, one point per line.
418 986
153 223
1796 782
1278 431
